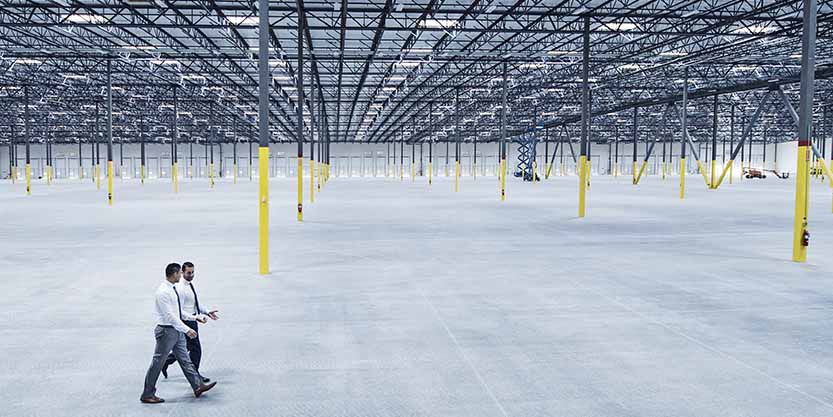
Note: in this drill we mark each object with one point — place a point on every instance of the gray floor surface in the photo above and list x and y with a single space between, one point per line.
393 299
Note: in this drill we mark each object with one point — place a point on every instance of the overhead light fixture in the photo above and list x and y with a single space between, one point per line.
438 23
620 26
671 53
164 62
28 61
630 66
241 20
395 78
193 77
533 65
561 53
753 30
75 76
420 50
85 18
138 48
408 64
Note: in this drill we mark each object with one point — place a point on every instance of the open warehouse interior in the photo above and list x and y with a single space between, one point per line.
427 208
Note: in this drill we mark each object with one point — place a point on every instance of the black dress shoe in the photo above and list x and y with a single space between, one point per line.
152 400
165 371
203 388
206 380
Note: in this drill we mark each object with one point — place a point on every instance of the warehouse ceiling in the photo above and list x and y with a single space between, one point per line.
384 71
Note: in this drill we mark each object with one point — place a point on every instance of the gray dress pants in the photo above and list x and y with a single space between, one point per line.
169 339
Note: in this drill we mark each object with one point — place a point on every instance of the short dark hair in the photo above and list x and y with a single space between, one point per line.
172 269
187 264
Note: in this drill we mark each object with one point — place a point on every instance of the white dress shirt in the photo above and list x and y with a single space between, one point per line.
188 301
167 310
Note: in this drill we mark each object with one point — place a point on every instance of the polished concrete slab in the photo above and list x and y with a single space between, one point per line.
393 298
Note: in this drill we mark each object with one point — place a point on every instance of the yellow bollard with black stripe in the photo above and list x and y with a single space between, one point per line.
175 177
456 176
502 180
28 179
300 173
802 188
109 183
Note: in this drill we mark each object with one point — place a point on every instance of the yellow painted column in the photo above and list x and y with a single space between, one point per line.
446 170
300 175
582 187
430 173
28 179
589 170
13 174
634 172
502 175
142 173
110 183
802 199
263 209
401 172
175 176
48 175
98 176
534 172
562 169
663 170
682 178
413 172
474 172
456 176
211 175
311 181
234 177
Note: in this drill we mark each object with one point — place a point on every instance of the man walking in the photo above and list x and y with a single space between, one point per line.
192 312
170 335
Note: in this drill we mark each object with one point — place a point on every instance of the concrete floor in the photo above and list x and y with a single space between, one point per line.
395 300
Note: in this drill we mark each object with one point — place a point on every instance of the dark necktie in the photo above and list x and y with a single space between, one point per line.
178 306
196 300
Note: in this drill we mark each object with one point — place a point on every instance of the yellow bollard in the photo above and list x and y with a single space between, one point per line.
211 175
28 179
456 176
801 202
682 178
48 175
300 173
234 176
474 172
502 180
263 212
175 177
534 172
142 173
582 187
430 173
109 183
635 180
413 172
98 176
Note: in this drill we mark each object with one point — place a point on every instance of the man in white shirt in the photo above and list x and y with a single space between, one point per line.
170 335
192 312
